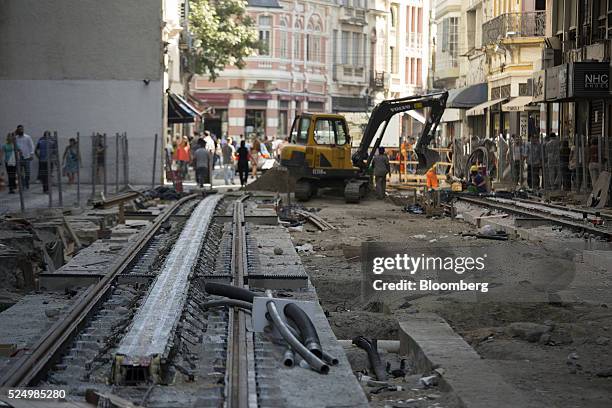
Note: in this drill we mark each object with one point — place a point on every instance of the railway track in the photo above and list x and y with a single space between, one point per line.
150 334
572 219
39 359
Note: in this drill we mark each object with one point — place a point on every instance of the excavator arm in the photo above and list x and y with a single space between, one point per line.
382 114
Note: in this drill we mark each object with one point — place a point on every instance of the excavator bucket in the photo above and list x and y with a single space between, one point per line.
427 158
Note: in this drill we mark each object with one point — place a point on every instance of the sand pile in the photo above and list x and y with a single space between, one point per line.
276 179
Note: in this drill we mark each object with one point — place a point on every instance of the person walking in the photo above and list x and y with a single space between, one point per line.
100 158
202 164
564 160
255 149
25 147
382 167
534 162
43 152
594 164
243 163
227 153
71 160
183 153
10 161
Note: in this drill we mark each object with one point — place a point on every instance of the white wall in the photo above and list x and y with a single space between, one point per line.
86 106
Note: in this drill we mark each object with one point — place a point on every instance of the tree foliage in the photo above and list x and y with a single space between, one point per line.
222 35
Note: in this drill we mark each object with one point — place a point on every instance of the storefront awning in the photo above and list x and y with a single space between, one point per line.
467 97
180 111
479 110
519 104
416 115
451 115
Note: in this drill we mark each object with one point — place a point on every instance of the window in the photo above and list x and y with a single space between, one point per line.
335 47
393 60
284 41
282 122
356 49
345 47
394 16
419 74
265 22
324 132
303 133
297 41
450 39
341 136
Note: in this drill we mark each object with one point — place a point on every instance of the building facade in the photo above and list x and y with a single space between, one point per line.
88 66
341 56
573 85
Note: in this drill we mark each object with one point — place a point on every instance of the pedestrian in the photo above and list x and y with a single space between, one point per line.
25 147
552 161
243 163
43 152
255 149
202 164
534 162
381 169
71 160
594 164
564 159
10 161
517 163
227 153
573 162
183 154
100 158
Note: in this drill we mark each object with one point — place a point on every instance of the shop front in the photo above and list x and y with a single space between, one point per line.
582 90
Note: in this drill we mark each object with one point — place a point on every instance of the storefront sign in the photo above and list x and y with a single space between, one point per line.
590 80
556 82
539 83
258 96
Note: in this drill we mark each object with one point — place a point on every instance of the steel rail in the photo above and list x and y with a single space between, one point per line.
239 389
607 234
44 353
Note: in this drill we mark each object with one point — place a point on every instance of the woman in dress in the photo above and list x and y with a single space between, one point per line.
71 160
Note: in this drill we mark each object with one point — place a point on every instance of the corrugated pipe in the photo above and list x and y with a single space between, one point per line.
377 365
308 332
230 291
312 360
227 302
328 358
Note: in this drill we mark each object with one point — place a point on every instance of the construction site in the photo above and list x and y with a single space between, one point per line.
305 204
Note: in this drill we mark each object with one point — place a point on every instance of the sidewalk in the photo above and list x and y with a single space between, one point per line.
34 198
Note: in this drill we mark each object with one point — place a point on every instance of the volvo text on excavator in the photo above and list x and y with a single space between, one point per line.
319 151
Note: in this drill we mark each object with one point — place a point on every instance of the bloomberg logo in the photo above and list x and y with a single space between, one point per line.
596 81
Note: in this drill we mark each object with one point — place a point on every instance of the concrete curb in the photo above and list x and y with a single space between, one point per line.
431 343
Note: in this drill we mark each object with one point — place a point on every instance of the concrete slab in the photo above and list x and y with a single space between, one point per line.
431 343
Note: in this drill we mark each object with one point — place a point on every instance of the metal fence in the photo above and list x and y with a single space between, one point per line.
66 171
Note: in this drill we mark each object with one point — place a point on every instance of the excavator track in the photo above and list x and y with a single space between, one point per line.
355 190
303 190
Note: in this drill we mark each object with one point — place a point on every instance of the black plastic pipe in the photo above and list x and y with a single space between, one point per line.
227 302
230 291
326 357
308 332
377 365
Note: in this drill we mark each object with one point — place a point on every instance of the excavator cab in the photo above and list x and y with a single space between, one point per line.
318 153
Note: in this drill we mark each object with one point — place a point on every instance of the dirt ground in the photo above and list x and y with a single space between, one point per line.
564 357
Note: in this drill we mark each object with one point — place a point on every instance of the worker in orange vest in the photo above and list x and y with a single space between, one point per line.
431 178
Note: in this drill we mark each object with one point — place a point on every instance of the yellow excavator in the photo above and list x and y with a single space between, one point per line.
319 152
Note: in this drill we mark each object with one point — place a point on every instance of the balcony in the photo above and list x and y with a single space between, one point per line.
512 25
353 15
348 73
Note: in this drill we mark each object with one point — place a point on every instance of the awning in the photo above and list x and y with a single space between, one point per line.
479 110
416 115
467 97
180 111
451 115
519 104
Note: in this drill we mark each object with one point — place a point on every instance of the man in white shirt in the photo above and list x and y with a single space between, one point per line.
26 149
